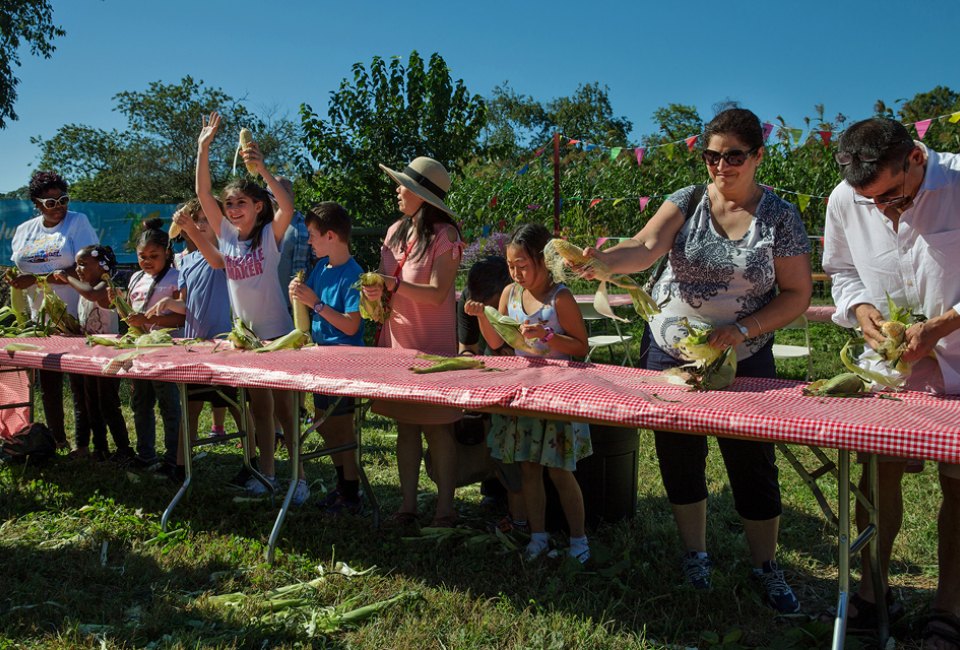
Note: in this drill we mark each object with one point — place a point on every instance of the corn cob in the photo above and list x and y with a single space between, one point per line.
18 299
846 384
509 330
559 254
716 375
120 303
694 346
56 310
21 347
293 340
301 313
443 364
375 311
246 138
243 337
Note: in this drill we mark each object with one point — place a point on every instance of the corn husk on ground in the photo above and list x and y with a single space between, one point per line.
560 254
509 330
377 311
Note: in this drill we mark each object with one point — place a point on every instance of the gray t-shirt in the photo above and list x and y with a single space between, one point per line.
252 281
714 281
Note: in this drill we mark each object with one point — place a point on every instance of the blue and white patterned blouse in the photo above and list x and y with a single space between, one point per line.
712 280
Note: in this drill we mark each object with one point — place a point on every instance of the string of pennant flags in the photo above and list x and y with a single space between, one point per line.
788 132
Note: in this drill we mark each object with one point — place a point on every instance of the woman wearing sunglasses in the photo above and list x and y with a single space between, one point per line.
738 262
48 245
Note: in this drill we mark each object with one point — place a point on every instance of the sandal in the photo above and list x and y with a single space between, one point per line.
865 620
942 626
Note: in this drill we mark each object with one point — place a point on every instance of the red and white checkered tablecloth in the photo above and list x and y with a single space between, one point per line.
916 425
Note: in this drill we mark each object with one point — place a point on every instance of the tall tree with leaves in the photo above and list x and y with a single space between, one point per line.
389 113
22 22
942 135
152 160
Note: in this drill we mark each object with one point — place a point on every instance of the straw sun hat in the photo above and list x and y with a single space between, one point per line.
426 178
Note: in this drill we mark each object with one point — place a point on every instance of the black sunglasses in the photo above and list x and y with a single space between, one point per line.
845 158
734 157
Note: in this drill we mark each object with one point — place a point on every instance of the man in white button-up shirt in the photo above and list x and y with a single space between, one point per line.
893 227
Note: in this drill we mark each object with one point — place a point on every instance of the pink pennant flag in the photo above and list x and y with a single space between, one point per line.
594 202
922 127
639 151
691 141
601 241
767 129
539 152
644 200
825 136
766 187
572 141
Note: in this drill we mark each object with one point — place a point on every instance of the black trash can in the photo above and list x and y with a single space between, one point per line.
607 478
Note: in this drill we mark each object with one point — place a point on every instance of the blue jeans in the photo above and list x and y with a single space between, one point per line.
751 466
146 394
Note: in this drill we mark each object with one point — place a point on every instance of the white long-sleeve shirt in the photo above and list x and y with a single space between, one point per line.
918 264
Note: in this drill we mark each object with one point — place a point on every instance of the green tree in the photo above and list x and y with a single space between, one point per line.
22 22
389 113
676 121
942 135
152 160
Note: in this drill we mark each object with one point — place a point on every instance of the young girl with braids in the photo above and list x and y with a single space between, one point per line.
249 233
156 280
101 394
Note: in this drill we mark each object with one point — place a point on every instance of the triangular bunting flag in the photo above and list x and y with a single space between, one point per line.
668 148
503 225
572 141
767 129
533 206
601 241
591 147
485 231
691 141
644 200
539 152
639 151
523 170
803 200
922 127
615 152
825 136
617 202
507 185
493 202
593 202
955 117
797 134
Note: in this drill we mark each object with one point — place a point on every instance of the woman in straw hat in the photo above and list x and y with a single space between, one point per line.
419 261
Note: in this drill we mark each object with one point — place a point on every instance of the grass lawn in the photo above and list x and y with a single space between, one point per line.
85 564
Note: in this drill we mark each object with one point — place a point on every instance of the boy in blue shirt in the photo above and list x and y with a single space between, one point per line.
335 320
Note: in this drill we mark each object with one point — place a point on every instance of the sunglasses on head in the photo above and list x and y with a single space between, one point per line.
50 204
734 157
845 158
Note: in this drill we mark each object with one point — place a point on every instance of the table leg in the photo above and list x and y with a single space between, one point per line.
843 551
187 446
873 487
293 450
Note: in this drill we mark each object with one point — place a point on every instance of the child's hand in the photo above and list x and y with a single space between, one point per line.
251 155
532 331
138 320
22 281
374 292
209 130
57 277
159 308
111 293
302 293
182 219
473 308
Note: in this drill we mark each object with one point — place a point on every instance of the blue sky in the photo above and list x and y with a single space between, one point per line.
776 58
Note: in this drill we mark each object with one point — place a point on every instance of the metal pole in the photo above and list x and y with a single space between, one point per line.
556 184
185 444
843 547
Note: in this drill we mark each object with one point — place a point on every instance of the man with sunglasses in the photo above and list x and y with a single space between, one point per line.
893 228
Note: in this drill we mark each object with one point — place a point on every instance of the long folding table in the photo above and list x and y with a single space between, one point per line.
914 425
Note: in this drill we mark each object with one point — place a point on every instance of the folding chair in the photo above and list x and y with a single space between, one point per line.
783 351
591 315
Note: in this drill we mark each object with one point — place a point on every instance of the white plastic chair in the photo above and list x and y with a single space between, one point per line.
591 315
783 351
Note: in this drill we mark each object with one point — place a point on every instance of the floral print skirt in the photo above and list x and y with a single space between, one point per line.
550 443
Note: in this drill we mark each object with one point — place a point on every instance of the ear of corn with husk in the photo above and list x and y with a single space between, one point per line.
18 299
242 337
846 384
894 331
301 313
246 138
700 376
444 364
122 305
55 309
293 340
509 330
377 311
694 346
559 253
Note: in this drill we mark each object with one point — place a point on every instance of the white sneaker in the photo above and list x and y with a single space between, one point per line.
301 493
257 489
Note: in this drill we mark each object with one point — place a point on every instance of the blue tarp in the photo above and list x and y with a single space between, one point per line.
113 222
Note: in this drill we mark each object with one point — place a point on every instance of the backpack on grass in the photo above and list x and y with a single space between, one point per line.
33 443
